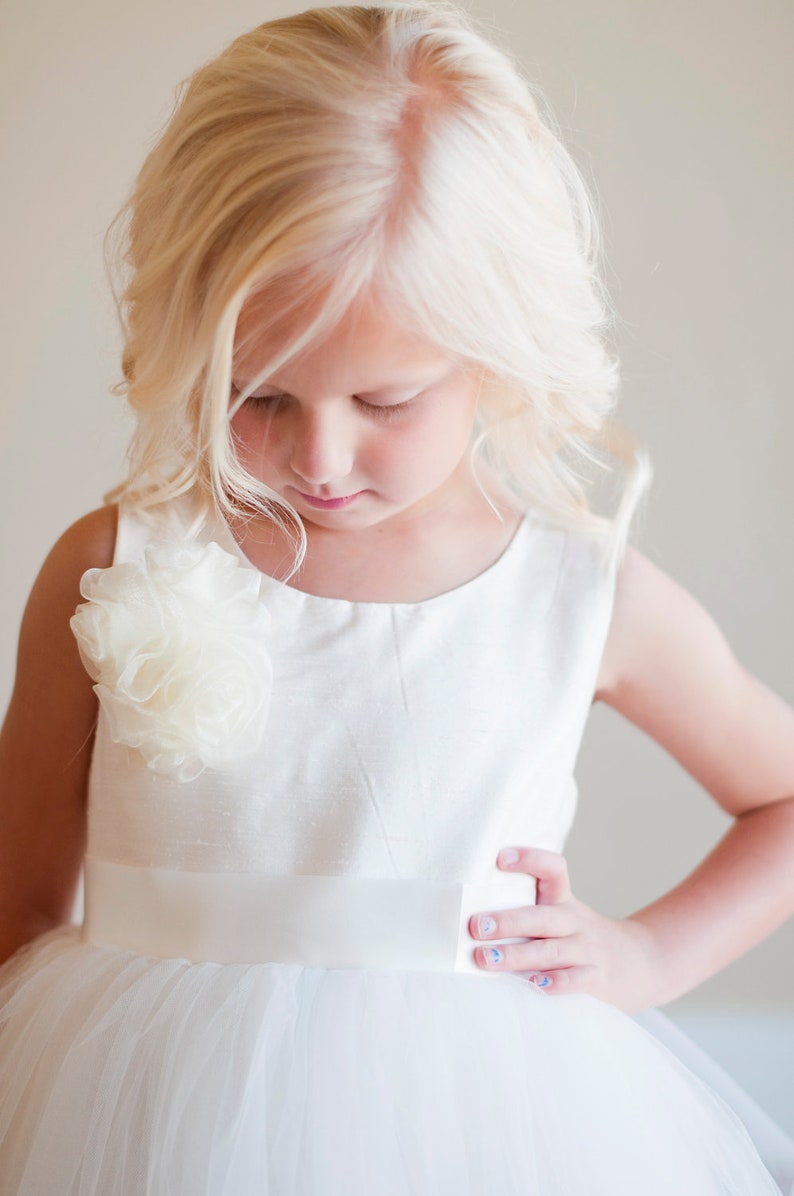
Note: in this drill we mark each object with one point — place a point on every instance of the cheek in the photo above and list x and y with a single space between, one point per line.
429 451
254 439
448 436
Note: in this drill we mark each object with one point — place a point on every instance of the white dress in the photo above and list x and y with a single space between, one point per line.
295 804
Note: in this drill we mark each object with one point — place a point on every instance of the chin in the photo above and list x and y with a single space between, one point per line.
342 521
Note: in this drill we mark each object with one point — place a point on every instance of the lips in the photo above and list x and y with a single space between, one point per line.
330 504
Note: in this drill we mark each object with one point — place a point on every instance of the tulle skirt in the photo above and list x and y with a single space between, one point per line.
122 1075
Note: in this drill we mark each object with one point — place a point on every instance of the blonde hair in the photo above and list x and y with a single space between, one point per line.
349 148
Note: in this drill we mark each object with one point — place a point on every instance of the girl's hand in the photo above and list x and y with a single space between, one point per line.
572 949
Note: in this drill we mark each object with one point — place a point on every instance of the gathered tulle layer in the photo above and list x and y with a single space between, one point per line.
121 1075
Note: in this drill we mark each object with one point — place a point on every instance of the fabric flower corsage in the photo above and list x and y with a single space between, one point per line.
177 646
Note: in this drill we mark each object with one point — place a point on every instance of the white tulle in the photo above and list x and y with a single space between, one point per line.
132 1075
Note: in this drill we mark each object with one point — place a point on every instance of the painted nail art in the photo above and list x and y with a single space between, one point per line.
487 924
492 955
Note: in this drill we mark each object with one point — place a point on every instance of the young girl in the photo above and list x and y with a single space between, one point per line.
306 698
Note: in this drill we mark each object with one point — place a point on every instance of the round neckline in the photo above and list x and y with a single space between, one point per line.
228 540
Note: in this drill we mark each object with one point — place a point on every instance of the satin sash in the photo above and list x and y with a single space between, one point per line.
317 921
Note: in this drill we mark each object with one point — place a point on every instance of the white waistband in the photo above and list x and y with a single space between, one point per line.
318 921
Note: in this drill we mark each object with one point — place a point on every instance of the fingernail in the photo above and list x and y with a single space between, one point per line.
492 955
541 981
508 855
486 925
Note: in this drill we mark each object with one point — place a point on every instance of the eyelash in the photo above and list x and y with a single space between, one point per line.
388 411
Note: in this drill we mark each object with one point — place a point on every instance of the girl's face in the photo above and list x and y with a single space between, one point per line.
367 425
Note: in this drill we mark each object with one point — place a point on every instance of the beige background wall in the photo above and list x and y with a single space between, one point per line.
682 113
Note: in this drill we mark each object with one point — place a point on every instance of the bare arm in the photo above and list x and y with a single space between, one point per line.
45 744
668 669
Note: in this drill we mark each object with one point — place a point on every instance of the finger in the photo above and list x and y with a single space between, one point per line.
537 955
548 867
580 978
527 921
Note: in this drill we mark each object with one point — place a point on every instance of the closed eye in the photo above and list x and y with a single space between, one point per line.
386 410
271 402
266 400
383 411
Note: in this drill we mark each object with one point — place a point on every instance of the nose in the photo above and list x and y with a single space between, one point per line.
323 447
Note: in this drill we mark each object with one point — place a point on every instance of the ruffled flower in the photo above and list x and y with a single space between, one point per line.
177 646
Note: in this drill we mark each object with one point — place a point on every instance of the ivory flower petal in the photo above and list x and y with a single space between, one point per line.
177 646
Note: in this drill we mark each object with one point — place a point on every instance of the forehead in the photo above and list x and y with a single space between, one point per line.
365 350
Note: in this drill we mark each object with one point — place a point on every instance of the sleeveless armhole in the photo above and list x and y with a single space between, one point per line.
587 581
136 527
132 532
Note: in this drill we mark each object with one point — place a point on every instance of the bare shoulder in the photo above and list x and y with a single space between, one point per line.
655 619
88 543
47 650
94 533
